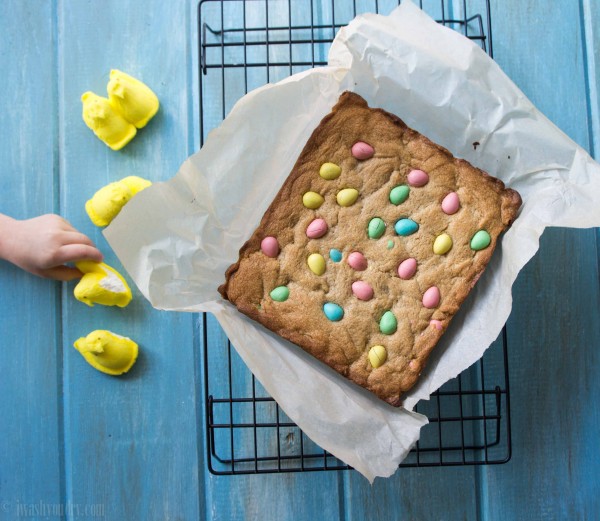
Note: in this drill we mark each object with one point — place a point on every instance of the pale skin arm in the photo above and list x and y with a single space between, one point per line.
43 245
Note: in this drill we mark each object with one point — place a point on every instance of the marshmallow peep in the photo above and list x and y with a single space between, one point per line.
108 352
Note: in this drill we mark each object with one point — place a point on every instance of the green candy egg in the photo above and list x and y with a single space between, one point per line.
388 323
399 194
280 293
480 240
376 228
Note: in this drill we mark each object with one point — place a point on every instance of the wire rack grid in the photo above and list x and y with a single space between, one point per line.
244 45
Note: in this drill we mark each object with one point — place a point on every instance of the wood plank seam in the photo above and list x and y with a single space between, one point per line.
591 75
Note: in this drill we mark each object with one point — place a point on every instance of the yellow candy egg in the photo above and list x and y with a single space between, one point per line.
312 200
347 196
377 356
330 171
316 263
442 244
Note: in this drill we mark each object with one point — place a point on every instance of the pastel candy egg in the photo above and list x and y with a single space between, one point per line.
480 240
436 324
417 178
335 255
280 293
406 227
376 228
316 263
377 356
312 200
414 366
362 150
333 312
431 298
316 229
357 261
362 290
270 247
388 323
330 171
347 196
399 194
442 244
451 203
407 268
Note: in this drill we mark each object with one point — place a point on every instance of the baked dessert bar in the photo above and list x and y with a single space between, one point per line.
370 247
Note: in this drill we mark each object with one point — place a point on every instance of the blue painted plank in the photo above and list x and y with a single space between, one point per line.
131 443
540 49
555 365
590 14
31 472
555 327
426 493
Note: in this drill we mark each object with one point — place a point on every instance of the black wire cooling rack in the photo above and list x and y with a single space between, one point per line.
243 45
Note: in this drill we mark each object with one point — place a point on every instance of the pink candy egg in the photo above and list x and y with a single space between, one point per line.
357 261
431 298
316 229
451 204
436 324
362 290
270 247
414 366
362 150
407 268
417 178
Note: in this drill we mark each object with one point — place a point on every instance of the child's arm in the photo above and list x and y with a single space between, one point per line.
44 244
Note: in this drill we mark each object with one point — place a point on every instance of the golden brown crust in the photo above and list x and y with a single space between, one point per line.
344 345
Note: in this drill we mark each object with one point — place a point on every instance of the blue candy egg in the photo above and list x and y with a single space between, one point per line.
335 255
406 227
333 312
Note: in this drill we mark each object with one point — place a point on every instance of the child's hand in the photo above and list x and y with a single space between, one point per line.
44 244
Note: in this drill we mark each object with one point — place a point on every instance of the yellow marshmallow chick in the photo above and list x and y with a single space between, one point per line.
101 284
108 352
136 184
132 98
107 123
107 202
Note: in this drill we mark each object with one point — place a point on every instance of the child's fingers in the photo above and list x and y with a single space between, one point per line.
75 238
72 237
64 273
63 223
77 252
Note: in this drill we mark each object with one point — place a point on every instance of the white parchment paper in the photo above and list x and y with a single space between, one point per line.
176 239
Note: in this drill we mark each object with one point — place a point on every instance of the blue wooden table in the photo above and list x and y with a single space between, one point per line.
75 443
